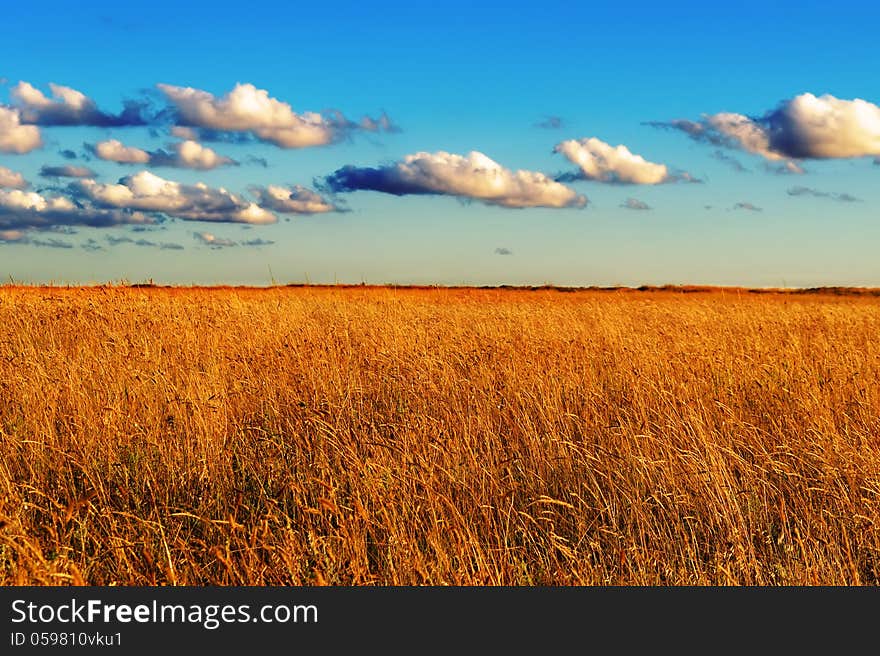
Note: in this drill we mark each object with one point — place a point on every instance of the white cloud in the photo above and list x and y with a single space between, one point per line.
183 133
70 107
249 109
11 179
310 130
746 133
32 97
185 154
803 127
752 137
15 137
295 200
243 108
21 210
31 200
474 176
114 150
193 155
599 161
826 127
150 193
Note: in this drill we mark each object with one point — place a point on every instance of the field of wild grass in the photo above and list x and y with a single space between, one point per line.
399 436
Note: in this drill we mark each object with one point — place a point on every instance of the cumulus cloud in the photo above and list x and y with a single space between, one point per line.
503 251
635 204
190 155
825 127
21 210
725 129
257 242
292 200
114 150
67 154
10 179
803 127
808 191
15 137
247 109
474 176
67 172
184 133
745 132
71 107
213 241
185 154
747 206
148 192
604 163
243 109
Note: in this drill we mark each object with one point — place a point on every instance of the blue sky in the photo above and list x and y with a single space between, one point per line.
451 79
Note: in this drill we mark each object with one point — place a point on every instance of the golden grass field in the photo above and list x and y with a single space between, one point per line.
355 436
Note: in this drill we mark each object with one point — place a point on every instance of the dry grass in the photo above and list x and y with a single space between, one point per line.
389 436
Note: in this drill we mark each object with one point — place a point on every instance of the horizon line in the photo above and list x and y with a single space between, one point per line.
836 290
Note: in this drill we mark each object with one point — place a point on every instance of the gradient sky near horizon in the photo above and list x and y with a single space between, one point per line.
646 143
